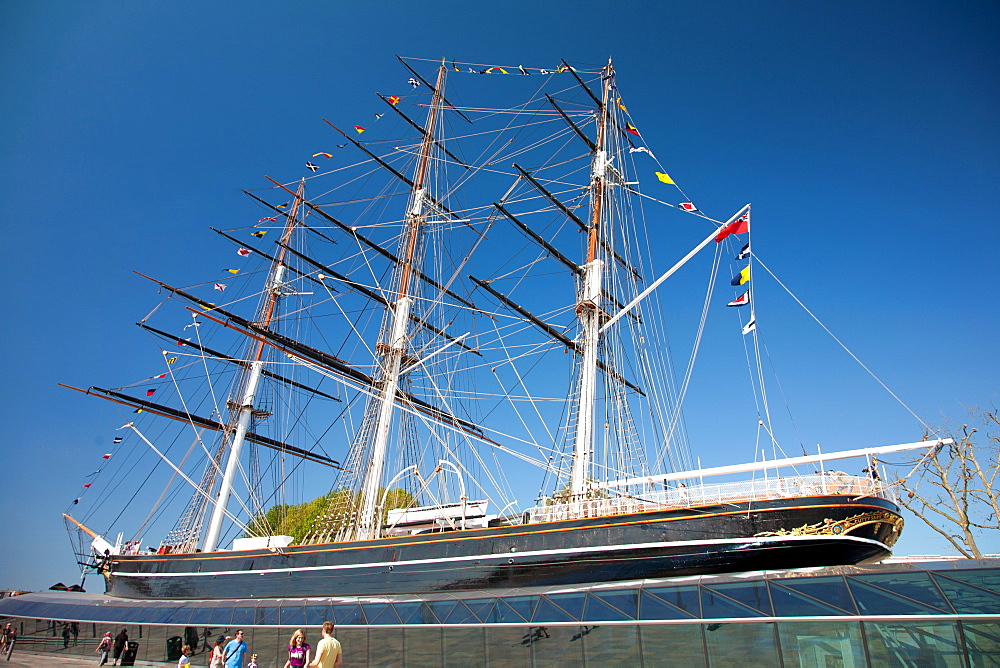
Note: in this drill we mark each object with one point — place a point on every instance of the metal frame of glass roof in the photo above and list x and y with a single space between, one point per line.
966 589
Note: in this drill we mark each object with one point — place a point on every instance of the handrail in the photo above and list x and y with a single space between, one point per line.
702 495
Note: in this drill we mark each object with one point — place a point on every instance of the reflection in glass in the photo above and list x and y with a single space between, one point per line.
982 642
822 644
674 644
968 598
913 643
504 646
717 606
554 645
386 648
741 645
421 647
613 646
830 590
463 648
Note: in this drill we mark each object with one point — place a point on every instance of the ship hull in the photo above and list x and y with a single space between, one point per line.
776 534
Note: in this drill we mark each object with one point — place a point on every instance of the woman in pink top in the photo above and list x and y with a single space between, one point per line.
298 650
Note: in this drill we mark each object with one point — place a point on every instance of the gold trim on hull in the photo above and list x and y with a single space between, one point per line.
844 526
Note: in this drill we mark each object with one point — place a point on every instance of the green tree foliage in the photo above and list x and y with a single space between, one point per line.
337 507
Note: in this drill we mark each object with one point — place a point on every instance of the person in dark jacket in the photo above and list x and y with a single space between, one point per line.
121 642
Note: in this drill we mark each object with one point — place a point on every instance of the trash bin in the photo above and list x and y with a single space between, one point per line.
128 656
174 644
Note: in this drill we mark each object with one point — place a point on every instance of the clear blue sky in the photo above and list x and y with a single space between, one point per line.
865 134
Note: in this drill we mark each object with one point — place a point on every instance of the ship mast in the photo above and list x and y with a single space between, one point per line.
393 348
588 306
242 410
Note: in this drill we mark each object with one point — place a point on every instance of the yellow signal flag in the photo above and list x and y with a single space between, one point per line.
233 271
665 178
172 360
621 106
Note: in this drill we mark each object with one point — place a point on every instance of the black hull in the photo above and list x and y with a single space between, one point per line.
776 534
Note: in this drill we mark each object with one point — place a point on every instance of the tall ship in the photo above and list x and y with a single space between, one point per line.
438 360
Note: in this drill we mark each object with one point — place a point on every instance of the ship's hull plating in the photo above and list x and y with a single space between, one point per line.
776 534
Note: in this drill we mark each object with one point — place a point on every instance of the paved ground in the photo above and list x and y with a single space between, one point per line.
56 660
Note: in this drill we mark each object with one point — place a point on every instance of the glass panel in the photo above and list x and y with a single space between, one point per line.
627 601
348 615
599 611
353 643
242 616
549 612
380 613
220 616
653 607
504 646
571 603
442 609
968 599
386 648
317 614
686 598
875 601
752 594
553 645
822 645
741 645
987 578
982 642
613 647
788 603
463 648
522 605
502 612
912 643
717 606
422 647
461 615
830 590
481 607
407 612
915 586
269 644
266 617
673 644
424 615
168 616
293 615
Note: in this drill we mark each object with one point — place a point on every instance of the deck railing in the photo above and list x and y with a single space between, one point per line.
711 494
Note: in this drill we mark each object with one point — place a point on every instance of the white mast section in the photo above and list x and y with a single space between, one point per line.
778 463
589 310
394 350
245 408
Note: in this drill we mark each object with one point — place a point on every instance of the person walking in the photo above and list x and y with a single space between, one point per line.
298 650
218 653
104 648
328 651
11 639
235 651
121 642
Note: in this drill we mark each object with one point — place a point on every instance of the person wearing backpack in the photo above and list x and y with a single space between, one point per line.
105 647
